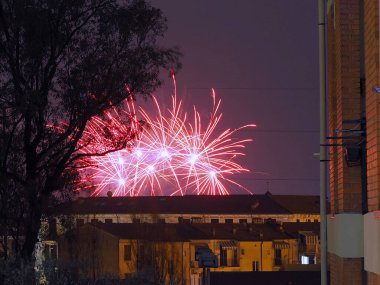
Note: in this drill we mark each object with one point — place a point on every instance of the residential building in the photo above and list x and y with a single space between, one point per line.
190 209
123 236
167 252
354 141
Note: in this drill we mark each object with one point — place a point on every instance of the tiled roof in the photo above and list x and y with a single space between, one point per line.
191 204
294 229
187 232
298 204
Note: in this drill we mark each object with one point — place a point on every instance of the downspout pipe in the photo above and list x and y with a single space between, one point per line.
322 138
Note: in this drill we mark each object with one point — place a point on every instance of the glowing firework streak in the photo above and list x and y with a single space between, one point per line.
172 156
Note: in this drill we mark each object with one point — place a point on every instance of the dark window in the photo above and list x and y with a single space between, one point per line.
225 261
94 221
235 258
50 251
298 220
108 221
53 251
161 221
140 257
80 222
242 252
136 221
257 220
229 221
196 220
270 221
214 221
277 257
53 227
255 266
308 220
315 220
127 252
223 256
182 220
242 221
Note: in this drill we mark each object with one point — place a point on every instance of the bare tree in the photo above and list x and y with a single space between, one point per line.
67 61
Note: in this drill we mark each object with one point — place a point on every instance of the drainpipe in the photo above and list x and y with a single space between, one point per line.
261 256
322 138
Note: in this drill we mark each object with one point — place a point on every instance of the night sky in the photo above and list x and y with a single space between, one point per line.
262 59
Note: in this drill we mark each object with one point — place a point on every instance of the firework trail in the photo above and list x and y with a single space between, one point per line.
172 156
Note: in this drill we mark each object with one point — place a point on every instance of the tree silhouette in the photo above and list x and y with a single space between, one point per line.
67 61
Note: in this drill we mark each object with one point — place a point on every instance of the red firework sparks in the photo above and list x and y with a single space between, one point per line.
172 157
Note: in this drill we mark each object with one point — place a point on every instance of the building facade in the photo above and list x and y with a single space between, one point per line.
167 254
354 141
158 237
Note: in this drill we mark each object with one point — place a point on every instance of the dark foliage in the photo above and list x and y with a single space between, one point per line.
65 61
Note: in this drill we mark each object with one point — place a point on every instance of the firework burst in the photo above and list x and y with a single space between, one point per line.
174 155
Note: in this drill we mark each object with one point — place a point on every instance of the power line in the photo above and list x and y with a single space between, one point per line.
244 88
281 179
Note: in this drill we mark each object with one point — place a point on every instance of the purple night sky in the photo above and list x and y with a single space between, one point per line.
262 59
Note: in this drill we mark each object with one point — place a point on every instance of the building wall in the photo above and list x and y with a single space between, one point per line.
344 36
197 218
344 104
94 253
371 22
163 261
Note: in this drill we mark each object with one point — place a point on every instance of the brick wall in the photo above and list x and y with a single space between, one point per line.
344 104
371 22
344 101
373 279
345 270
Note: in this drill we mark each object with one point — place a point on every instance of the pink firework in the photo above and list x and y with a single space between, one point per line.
172 156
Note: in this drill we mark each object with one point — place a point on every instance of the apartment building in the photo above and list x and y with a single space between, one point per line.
354 141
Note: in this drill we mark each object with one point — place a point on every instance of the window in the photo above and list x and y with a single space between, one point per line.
242 221
80 222
277 257
257 221
140 257
51 251
315 220
108 221
223 256
182 220
161 221
298 220
242 252
229 221
229 256
52 227
307 259
94 221
255 266
235 258
270 221
214 221
135 220
127 252
196 220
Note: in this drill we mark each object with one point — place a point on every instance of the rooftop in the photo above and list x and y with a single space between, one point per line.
192 204
187 232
